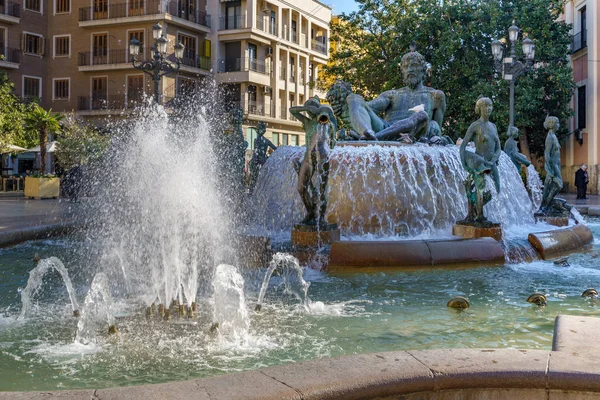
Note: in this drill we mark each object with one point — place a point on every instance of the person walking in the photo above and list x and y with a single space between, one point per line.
581 181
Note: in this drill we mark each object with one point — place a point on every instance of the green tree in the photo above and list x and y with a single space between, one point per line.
455 36
43 122
79 144
12 115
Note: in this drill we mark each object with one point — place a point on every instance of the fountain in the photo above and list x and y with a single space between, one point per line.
165 292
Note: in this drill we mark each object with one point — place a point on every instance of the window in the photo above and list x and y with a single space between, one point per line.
583 19
136 7
251 137
293 140
284 139
581 105
99 93
61 89
2 39
33 44
273 23
62 46
275 139
62 6
189 51
100 48
32 86
100 9
33 5
135 90
233 16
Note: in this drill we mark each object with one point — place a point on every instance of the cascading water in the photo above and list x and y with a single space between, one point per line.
157 220
34 283
387 190
96 314
535 187
291 273
230 310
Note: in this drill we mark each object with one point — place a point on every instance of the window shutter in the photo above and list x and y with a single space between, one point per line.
206 48
23 42
42 49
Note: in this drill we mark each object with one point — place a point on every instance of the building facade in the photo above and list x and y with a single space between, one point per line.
74 56
583 147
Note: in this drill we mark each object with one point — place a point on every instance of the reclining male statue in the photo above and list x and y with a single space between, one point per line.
412 112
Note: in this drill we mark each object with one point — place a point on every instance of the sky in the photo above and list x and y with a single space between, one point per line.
342 6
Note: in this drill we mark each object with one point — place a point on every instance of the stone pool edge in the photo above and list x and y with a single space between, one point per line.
569 371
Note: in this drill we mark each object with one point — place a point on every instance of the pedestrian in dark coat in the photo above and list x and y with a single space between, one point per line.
581 181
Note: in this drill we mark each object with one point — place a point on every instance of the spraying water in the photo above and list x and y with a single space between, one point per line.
34 283
96 314
387 189
158 221
291 274
230 304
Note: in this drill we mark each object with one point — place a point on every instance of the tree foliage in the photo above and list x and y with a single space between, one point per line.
79 144
12 116
455 36
43 122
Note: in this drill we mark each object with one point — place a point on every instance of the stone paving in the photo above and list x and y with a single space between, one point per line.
24 219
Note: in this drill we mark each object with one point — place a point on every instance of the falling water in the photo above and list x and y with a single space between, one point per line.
387 189
535 187
34 283
96 314
230 310
158 220
291 273
577 216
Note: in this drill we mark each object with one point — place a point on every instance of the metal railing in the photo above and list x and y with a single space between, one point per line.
579 41
260 109
282 73
191 59
319 46
10 8
148 7
294 37
118 56
237 22
10 54
102 102
243 64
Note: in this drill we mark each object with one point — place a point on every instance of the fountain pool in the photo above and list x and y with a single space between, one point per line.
345 314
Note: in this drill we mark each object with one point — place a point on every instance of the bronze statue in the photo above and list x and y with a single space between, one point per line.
320 126
412 112
510 148
553 183
261 145
481 162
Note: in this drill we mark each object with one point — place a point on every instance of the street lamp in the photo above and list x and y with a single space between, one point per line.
511 67
159 66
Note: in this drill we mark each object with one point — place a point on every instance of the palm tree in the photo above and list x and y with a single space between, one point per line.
43 122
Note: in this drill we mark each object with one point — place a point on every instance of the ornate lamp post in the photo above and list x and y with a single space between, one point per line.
159 66
511 67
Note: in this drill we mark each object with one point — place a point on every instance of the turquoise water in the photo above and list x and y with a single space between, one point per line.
350 313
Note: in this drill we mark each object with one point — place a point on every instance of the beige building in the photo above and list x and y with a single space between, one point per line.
74 55
583 147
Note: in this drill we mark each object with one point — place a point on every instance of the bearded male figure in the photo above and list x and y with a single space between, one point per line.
414 110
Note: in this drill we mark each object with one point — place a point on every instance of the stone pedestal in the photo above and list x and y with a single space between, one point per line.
312 236
471 231
556 221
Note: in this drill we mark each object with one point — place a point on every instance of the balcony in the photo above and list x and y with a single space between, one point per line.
118 56
191 59
101 102
319 45
270 28
9 58
141 9
10 12
243 64
259 109
236 22
579 41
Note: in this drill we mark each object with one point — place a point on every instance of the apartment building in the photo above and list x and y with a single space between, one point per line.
583 147
74 54
269 54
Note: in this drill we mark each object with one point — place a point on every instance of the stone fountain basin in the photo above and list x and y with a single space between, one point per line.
569 371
